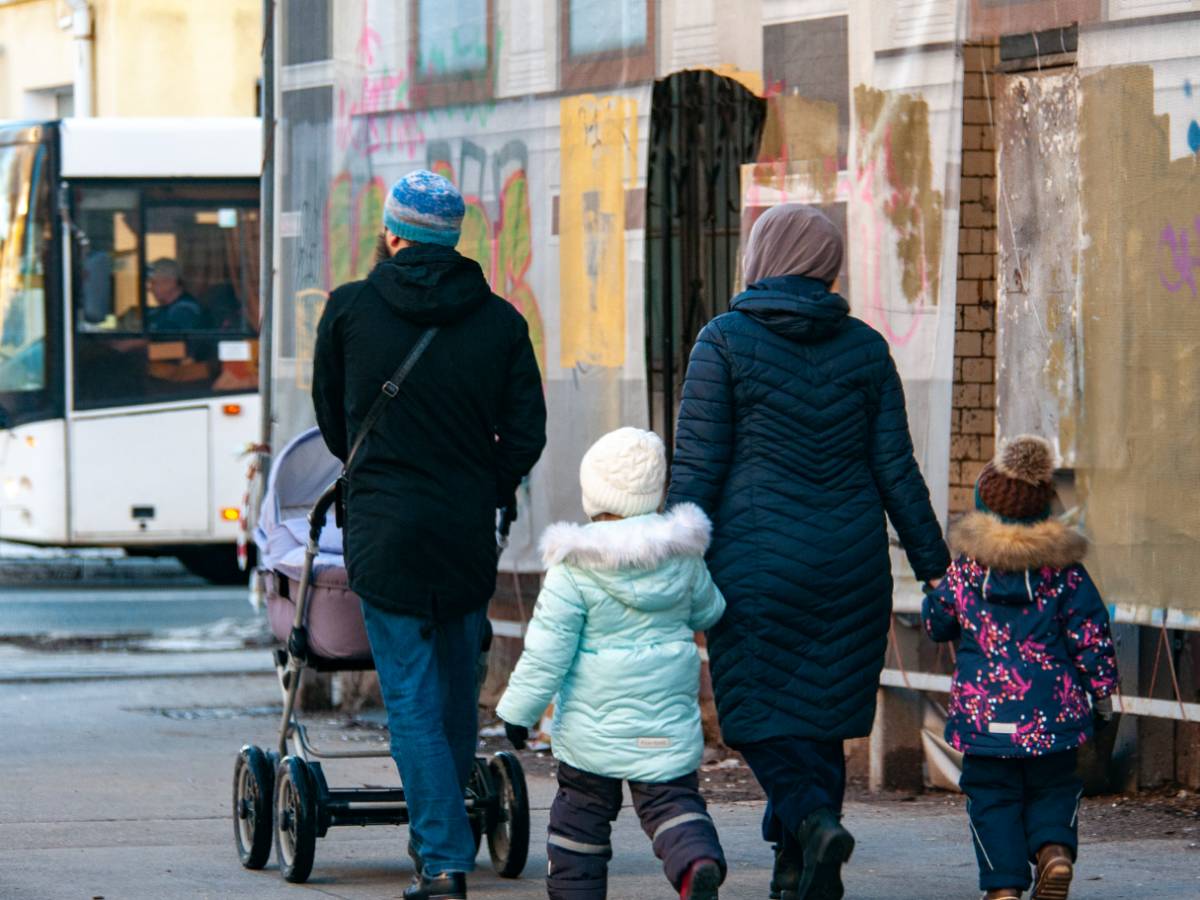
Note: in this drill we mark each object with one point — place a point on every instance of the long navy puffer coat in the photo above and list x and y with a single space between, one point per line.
793 437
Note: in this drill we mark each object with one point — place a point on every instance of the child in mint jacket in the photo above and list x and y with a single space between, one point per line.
612 637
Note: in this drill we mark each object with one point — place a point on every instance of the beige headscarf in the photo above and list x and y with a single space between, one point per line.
793 239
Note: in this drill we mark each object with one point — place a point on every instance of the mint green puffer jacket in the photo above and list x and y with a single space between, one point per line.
613 637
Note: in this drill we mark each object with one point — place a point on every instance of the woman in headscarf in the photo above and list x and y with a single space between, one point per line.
793 437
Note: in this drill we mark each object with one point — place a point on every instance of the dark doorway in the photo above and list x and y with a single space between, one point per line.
703 128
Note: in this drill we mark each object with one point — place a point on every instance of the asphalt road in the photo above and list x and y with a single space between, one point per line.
107 611
121 790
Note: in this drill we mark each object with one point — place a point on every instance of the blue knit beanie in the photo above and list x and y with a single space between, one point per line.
425 208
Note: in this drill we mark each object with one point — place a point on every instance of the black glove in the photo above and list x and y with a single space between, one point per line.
518 735
1102 714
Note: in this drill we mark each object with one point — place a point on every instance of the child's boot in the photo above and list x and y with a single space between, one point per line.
1054 873
701 881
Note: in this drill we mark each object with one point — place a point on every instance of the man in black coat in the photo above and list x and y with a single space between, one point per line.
450 448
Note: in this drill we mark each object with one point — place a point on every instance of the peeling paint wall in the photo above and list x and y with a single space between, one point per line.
895 166
1039 239
1139 442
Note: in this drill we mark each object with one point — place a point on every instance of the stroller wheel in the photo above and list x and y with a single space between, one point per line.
253 788
295 820
508 833
479 788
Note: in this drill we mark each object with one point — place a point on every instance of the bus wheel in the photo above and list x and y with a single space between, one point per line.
216 563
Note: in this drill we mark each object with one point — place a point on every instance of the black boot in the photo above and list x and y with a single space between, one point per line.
827 845
789 866
447 886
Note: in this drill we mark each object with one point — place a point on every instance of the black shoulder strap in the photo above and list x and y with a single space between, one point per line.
390 389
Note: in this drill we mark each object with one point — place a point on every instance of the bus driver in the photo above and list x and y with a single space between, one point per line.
177 310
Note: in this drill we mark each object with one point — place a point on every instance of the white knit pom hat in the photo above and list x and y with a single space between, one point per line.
624 474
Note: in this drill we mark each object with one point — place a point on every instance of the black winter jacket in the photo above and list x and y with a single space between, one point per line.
468 424
793 436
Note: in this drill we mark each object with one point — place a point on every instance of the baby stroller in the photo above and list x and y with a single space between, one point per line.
283 797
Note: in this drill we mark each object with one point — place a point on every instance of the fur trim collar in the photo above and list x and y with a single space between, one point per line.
643 542
1014 548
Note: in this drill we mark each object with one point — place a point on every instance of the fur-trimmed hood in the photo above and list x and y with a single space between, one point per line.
642 542
1015 548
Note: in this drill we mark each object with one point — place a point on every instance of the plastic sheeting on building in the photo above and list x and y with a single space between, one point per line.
602 202
542 112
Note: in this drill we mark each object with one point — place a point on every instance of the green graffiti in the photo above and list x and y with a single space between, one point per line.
352 226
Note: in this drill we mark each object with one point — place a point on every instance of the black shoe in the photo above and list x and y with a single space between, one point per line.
447 886
827 845
789 866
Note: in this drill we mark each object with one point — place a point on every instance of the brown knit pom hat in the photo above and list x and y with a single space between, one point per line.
1018 484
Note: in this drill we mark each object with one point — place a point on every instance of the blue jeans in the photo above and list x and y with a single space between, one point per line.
428 678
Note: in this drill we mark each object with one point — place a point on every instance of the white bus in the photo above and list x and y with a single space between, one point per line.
129 312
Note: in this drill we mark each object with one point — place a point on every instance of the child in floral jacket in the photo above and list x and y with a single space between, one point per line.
1035 665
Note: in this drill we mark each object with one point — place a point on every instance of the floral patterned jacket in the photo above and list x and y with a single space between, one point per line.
1033 638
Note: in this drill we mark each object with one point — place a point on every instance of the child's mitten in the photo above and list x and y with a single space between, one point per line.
518 735
1102 713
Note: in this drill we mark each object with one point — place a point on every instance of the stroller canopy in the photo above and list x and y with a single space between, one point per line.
299 474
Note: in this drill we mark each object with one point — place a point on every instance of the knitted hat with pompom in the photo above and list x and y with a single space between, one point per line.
624 474
1018 485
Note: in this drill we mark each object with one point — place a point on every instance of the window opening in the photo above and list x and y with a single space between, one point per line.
703 128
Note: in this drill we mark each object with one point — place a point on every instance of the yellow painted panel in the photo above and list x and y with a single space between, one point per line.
599 161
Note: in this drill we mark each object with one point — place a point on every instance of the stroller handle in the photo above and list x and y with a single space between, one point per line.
320 510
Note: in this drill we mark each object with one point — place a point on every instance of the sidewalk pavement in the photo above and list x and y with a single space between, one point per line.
121 790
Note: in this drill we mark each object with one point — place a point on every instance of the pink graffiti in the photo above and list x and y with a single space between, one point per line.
377 92
873 232
368 37
1183 261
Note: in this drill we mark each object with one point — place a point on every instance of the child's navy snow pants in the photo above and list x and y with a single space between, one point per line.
1016 807
673 815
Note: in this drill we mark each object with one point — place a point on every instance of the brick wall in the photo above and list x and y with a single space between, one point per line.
973 417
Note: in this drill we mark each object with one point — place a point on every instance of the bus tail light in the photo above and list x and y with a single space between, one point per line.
230 513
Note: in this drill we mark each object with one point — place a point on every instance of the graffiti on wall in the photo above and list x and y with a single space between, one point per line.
598 137
375 113
1193 129
352 226
1140 441
893 177
501 241
1183 263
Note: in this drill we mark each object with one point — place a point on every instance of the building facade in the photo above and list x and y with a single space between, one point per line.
1019 184
133 57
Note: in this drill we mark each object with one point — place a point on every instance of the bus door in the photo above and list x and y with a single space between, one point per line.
32 432
165 293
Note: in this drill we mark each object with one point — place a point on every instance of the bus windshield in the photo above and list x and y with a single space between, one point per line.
24 231
165 290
